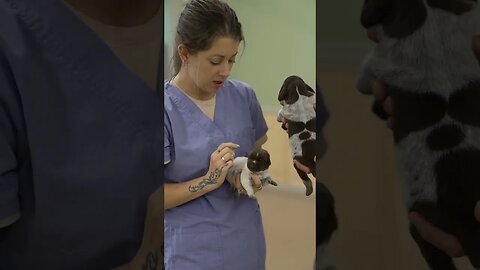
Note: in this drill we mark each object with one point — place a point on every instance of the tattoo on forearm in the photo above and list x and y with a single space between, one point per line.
212 179
151 262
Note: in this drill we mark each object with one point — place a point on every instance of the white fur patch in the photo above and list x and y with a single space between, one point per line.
300 111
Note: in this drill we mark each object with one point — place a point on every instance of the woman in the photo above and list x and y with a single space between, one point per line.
208 121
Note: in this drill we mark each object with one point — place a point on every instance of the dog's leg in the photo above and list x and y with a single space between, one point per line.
323 260
436 259
306 181
471 244
268 180
246 183
271 182
366 79
459 191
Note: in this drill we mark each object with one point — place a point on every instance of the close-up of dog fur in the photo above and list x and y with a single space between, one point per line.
424 55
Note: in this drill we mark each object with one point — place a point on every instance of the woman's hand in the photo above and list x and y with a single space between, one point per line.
220 161
254 179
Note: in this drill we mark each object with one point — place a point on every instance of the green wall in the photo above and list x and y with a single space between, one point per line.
280 41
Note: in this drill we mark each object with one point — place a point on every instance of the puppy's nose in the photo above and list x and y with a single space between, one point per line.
445 137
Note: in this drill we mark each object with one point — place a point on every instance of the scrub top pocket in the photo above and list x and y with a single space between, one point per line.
196 250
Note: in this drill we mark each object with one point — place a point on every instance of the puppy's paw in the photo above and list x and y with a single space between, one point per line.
280 116
365 82
273 183
309 188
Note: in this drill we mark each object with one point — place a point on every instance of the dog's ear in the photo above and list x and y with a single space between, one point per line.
455 6
375 12
311 92
288 92
282 95
400 18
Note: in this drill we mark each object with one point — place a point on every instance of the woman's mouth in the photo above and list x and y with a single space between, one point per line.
218 83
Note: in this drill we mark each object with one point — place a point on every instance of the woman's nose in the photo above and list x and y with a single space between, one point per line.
226 69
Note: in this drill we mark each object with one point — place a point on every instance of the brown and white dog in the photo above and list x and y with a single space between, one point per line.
297 100
258 162
424 55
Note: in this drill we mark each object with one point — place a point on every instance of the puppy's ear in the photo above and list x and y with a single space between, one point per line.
282 95
288 92
455 6
400 18
310 90
375 11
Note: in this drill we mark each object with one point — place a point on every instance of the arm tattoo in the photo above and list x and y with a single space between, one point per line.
212 179
151 262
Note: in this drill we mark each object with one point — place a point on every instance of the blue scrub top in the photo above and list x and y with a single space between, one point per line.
215 231
80 143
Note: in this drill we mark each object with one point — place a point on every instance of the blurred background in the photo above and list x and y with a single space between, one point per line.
359 165
280 41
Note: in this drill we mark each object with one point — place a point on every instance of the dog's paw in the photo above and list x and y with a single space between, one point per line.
273 183
365 82
309 188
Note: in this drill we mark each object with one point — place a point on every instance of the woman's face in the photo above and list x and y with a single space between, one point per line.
210 68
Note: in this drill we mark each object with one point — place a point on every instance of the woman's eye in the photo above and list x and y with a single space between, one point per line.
214 63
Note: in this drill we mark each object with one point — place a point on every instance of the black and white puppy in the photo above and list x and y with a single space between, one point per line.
258 162
298 99
424 54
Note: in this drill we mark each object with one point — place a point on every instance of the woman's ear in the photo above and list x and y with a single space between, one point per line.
183 53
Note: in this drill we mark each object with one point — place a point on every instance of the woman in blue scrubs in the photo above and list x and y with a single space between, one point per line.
208 120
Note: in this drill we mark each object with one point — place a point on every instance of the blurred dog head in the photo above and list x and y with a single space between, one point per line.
400 18
258 160
292 87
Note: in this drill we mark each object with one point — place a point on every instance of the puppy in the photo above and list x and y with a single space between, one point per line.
298 99
258 162
424 55
326 221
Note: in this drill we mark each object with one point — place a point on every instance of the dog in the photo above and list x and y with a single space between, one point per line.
424 55
257 162
297 100
326 222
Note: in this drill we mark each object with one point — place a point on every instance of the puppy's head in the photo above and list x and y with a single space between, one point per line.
258 160
291 88
400 18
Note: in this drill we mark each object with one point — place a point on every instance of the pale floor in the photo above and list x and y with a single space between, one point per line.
288 215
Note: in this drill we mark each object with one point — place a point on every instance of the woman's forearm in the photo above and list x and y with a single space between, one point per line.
178 194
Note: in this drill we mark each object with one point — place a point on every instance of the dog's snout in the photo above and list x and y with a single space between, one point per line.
445 137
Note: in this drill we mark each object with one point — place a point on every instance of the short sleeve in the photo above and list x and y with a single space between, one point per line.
167 143
258 120
10 119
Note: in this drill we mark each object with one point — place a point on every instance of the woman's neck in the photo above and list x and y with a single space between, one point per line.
123 13
184 83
